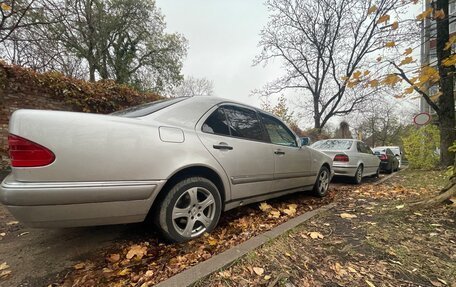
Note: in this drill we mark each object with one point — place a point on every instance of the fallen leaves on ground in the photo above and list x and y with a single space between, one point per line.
152 261
347 215
315 235
382 246
136 250
4 270
258 270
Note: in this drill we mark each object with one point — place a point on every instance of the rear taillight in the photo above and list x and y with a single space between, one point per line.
383 157
25 153
341 157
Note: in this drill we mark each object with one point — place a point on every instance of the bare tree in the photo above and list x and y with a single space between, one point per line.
21 14
380 124
191 87
324 46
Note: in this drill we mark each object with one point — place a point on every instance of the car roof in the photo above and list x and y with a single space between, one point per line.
188 112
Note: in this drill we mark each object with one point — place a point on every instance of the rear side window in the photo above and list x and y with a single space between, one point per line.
278 132
217 123
244 123
148 108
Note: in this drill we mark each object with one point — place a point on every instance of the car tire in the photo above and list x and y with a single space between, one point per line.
321 185
377 174
190 208
358 175
391 170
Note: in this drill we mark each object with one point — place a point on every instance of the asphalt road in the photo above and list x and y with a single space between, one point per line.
37 255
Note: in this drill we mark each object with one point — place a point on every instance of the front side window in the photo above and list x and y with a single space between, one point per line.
360 147
278 133
244 123
217 123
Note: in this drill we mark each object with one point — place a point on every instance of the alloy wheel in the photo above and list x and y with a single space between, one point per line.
193 212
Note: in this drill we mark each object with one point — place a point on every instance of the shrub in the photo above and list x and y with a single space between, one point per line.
421 147
94 97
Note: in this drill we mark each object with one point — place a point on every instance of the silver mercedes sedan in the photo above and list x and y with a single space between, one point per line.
179 162
352 158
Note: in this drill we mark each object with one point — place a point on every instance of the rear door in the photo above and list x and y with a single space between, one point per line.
371 161
235 137
293 165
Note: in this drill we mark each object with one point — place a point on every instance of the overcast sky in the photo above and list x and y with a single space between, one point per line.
223 38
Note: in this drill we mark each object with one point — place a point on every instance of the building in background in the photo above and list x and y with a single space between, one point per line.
428 46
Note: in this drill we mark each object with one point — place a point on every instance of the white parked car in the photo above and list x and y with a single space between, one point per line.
181 161
351 158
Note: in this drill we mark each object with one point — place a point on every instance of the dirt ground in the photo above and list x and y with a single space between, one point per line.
372 238
40 257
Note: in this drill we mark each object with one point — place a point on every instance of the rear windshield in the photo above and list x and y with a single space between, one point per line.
148 108
333 145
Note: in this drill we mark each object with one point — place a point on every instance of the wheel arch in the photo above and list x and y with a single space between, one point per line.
189 171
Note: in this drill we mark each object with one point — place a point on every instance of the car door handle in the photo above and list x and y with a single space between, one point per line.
279 152
222 146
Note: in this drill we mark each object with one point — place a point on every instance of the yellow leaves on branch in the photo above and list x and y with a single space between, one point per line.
356 78
439 14
409 90
429 75
408 51
390 44
406 61
395 25
373 83
436 96
426 76
450 43
450 61
5 7
383 19
372 9
391 80
425 14
357 74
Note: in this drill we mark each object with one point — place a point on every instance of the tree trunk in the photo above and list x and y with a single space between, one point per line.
446 100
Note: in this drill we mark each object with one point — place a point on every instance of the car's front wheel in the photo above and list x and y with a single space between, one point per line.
189 209
322 183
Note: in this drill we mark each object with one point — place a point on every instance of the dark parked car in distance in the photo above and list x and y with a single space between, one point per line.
388 160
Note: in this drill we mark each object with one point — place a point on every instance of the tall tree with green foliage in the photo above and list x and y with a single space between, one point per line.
122 40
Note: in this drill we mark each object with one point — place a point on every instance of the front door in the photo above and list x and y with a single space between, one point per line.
293 164
234 136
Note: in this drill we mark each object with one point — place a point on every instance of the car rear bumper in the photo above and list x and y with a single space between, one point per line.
344 170
384 165
70 204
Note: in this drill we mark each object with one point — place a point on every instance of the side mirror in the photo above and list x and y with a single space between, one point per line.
305 141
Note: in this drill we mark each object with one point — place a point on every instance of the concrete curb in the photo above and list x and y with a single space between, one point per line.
225 258
389 176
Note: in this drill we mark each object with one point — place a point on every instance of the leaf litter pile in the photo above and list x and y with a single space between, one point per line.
371 238
148 261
